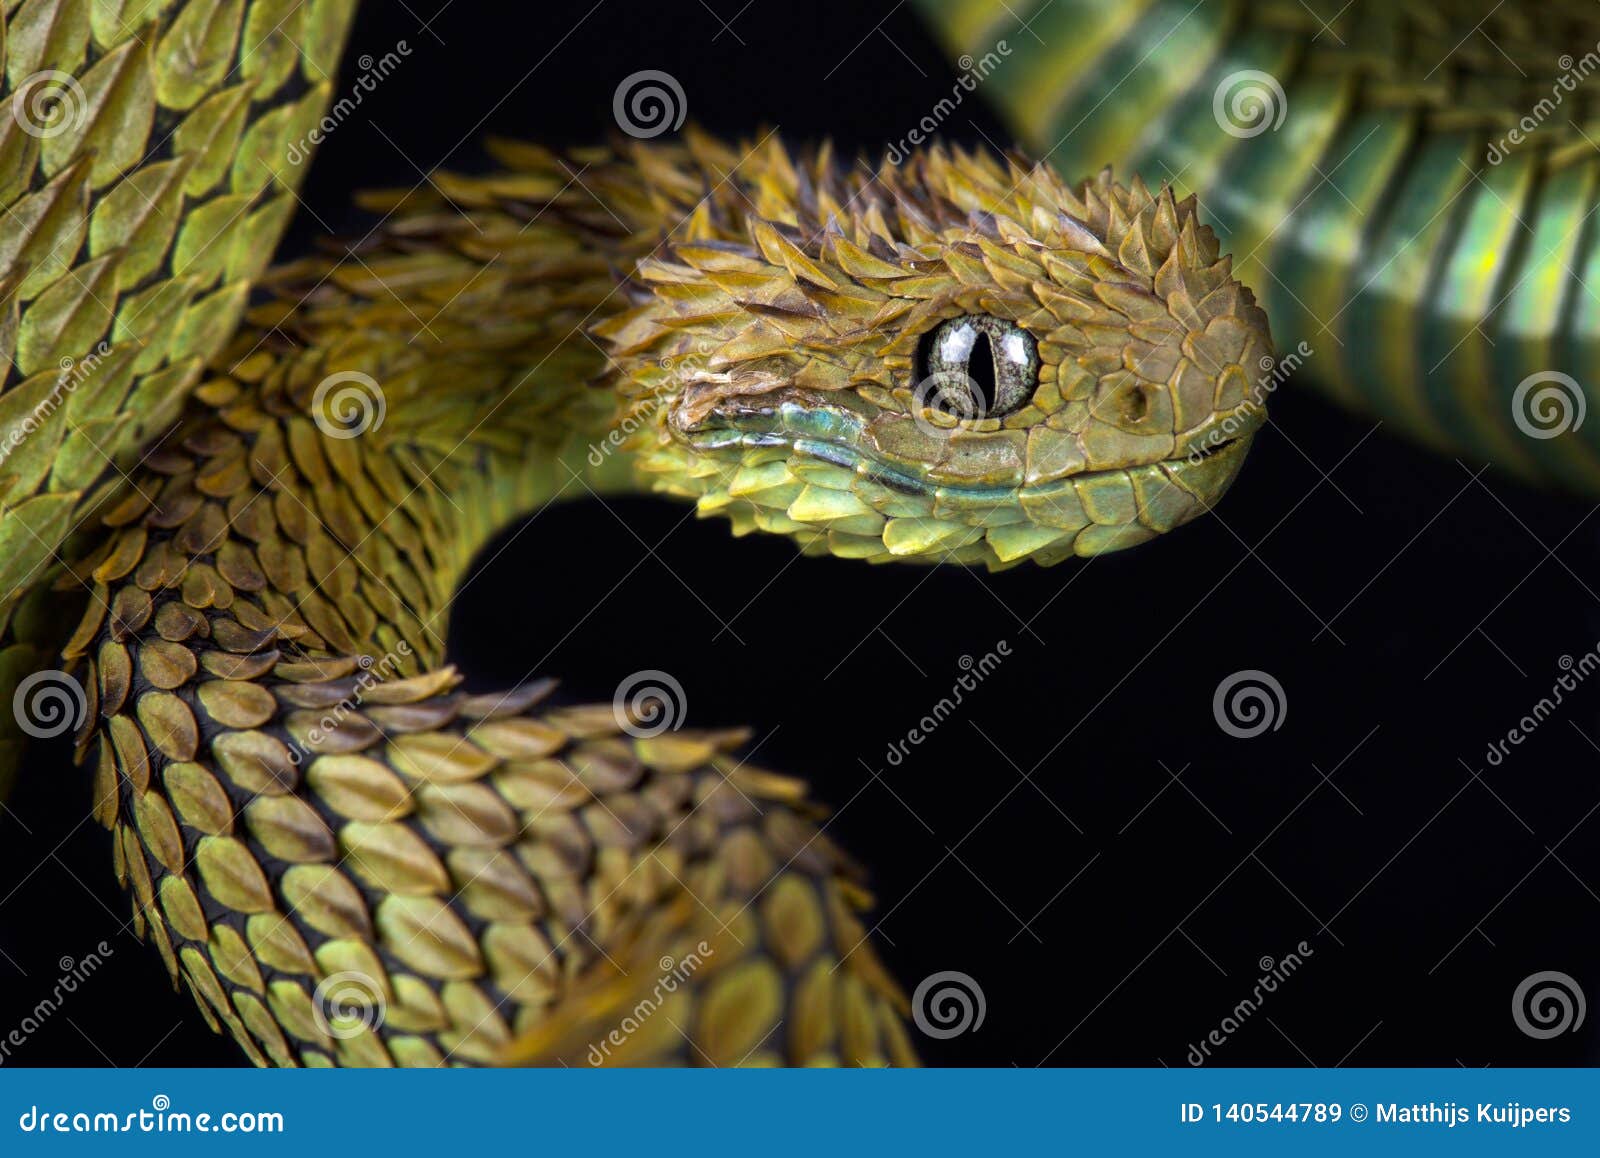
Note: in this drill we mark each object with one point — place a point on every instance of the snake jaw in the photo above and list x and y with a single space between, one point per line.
827 471
815 474
845 476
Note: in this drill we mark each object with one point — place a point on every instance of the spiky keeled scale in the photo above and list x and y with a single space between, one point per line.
472 858
137 214
799 282
289 814
481 865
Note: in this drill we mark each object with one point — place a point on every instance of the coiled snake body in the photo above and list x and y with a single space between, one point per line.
343 857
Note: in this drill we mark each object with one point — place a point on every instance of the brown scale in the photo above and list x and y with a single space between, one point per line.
504 879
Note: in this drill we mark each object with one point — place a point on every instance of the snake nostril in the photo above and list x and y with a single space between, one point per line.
1134 405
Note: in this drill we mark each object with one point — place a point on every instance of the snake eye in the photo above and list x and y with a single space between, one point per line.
977 367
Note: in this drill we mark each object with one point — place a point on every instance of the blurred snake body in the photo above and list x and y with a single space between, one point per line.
263 488
1409 187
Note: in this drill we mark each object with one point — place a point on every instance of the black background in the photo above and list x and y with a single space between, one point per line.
1110 914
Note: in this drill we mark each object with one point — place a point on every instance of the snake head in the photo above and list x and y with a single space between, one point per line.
954 358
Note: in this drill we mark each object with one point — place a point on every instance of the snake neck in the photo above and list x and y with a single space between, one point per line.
311 815
396 413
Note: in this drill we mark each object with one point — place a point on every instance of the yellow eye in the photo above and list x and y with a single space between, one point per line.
977 366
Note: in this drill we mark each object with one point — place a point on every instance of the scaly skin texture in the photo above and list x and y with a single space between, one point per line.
485 861
779 375
1422 217
344 858
141 197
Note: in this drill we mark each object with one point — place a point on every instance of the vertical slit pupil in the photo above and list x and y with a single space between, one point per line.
981 369
976 367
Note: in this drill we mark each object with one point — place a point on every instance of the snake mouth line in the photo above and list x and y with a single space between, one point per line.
834 438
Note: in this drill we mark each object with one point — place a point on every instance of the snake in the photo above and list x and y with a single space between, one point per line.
1409 188
237 499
